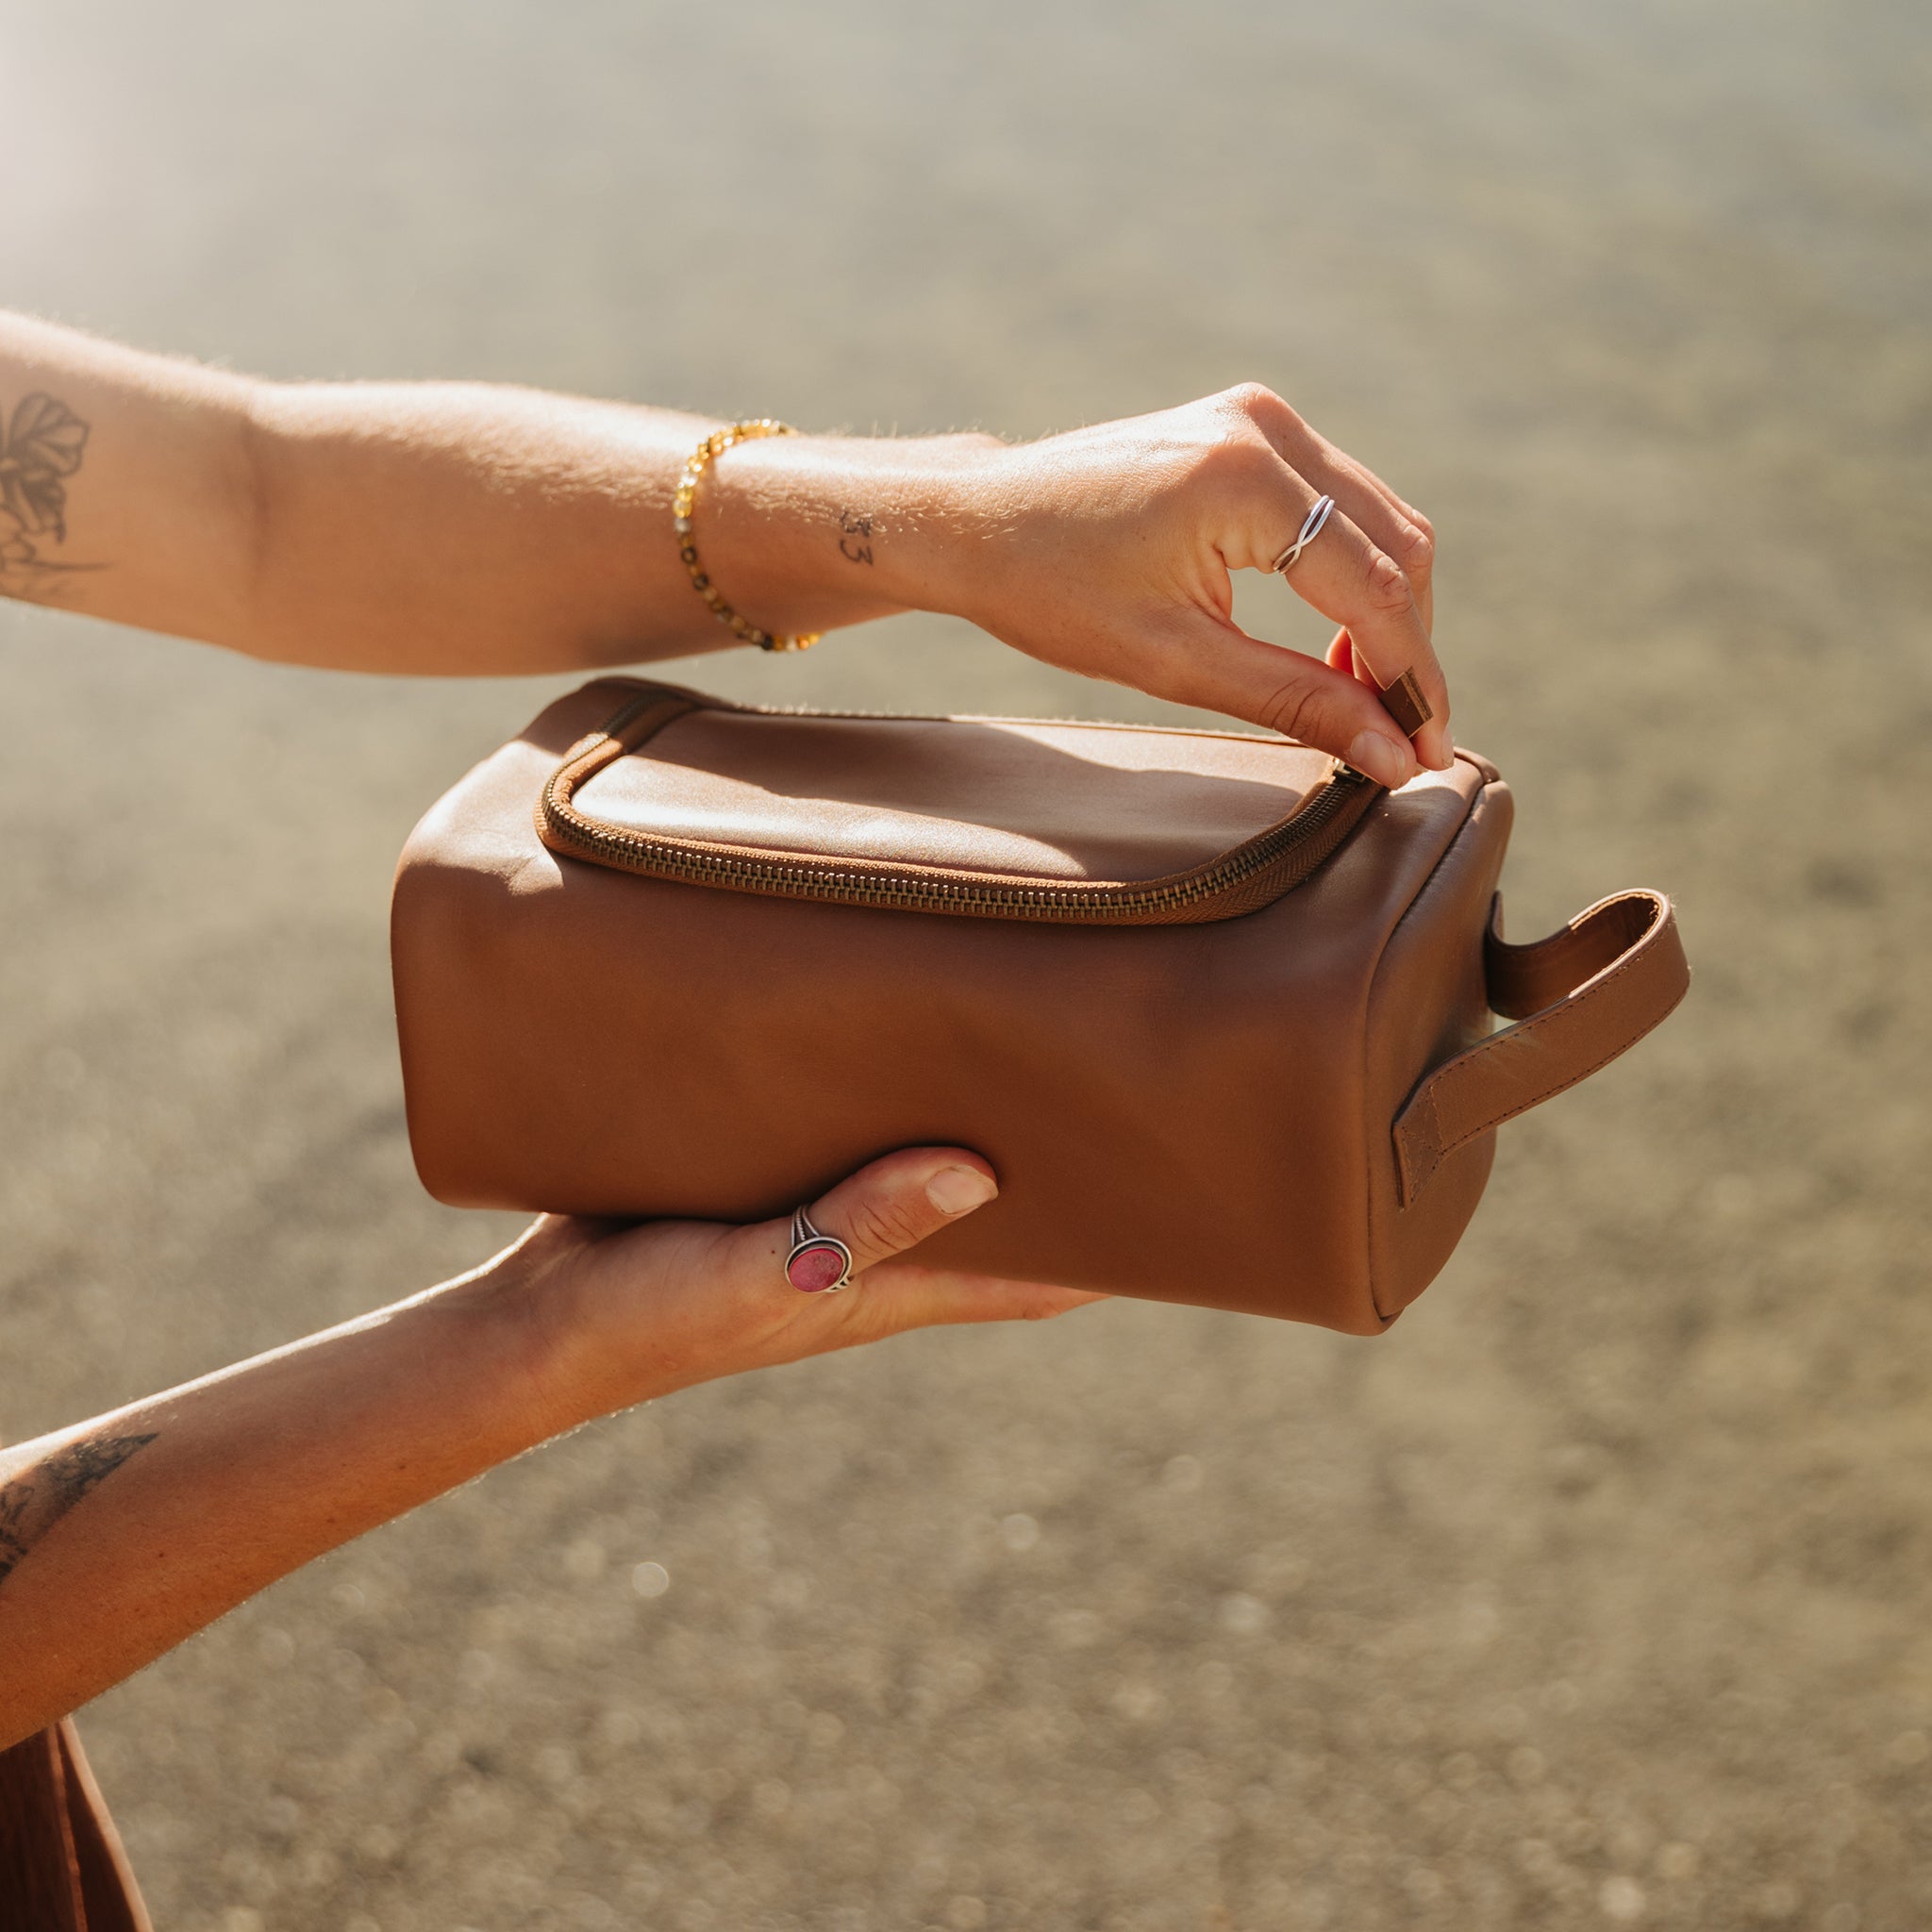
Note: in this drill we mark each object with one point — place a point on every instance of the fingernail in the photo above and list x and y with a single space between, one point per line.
1381 758
955 1190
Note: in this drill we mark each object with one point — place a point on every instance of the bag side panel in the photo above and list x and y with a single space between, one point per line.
459 875
1430 1002
723 1057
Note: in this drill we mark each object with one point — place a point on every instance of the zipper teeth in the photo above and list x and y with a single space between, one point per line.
825 881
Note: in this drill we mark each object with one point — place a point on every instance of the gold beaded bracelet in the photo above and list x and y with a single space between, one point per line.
695 465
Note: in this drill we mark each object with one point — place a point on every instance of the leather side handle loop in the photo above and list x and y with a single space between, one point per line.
1580 998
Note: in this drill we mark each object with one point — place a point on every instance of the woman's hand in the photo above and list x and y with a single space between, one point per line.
633 1311
126 1533
1108 551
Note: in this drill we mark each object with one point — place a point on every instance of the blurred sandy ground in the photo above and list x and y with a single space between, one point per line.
1597 1593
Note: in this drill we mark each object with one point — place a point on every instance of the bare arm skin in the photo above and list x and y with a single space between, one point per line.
439 528
123 1536
464 528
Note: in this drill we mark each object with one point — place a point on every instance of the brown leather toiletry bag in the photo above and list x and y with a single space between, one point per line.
1216 1008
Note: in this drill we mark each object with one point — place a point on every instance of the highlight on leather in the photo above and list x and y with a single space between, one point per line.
1580 997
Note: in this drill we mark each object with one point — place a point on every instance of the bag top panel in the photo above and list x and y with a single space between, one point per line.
1011 798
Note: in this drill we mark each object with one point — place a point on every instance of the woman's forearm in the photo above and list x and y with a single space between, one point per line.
431 527
124 1535
451 528
121 1537
464 528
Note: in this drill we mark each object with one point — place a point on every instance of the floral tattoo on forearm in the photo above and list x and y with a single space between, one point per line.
36 1500
39 449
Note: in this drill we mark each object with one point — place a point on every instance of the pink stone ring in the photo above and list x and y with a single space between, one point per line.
818 1263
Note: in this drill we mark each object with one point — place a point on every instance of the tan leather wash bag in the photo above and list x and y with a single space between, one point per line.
1217 1009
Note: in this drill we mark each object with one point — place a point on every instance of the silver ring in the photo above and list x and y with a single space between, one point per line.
1311 529
818 1263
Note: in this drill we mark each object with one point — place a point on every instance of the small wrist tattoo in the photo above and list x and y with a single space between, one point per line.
854 538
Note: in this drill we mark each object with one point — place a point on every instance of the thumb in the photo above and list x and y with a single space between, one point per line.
1223 669
898 1200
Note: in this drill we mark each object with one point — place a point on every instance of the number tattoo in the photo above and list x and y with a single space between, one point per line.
855 544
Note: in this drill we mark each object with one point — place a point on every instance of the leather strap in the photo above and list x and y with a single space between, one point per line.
1404 702
1580 997
62 1865
39 1865
110 1897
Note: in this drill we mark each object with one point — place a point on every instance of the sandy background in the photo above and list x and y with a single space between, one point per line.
1595 1595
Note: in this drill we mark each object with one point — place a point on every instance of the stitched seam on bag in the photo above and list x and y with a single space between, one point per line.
1574 1002
1523 1107
1439 1149
1415 1174
1509 1113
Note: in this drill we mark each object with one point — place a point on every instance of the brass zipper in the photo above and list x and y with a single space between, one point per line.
1241 880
